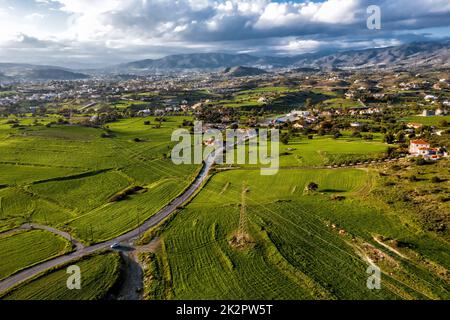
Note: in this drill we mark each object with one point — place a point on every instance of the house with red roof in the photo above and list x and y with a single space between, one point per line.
422 148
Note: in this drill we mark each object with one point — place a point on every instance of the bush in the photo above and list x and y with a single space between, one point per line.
312 186
106 135
337 135
443 123
146 123
421 161
436 179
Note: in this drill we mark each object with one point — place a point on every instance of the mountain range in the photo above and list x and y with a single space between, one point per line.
423 54
18 71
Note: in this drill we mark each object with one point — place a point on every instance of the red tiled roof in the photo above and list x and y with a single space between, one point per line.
419 141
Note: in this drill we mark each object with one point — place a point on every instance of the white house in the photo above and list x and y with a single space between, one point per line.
430 97
418 147
299 113
428 113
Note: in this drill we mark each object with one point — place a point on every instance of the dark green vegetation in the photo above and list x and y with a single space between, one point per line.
67 176
272 98
99 274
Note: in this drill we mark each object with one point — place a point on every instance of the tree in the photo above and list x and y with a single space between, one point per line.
308 103
312 186
436 179
389 138
337 134
285 138
401 136
443 123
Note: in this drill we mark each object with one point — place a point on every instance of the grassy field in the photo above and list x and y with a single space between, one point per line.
325 151
26 248
278 97
247 236
428 121
341 103
67 176
99 273
329 151
243 236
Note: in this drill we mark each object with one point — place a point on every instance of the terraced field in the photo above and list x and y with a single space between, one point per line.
23 249
247 236
72 178
99 273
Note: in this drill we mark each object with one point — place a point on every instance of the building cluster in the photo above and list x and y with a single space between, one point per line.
422 148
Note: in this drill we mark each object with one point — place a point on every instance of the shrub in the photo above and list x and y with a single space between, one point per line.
312 186
421 161
436 179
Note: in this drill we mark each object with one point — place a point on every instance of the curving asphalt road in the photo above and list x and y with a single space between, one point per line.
34 226
83 251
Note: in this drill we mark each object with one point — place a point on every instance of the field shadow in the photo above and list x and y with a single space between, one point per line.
124 248
332 190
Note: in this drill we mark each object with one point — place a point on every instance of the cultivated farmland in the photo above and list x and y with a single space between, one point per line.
93 184
99 273
23 249
247 236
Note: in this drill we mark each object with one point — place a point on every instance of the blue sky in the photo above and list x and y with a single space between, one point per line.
101 32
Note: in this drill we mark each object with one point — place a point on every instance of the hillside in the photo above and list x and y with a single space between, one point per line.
16 71
418 54
241 71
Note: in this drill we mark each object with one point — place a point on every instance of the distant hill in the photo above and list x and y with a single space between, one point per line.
413 54
423 54
241 71
200 61
17 71
193 61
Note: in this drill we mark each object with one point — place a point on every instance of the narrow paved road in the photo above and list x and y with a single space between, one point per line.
34 226
151 222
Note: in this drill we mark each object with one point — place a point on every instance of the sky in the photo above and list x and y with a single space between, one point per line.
94 33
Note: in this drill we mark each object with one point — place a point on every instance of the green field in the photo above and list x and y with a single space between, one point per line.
27 248
278 97
428 121
328 151
325 151
293 246
243 236
99 273
66 175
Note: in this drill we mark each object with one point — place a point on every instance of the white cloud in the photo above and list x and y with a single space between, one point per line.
301 46
157 27
337 11
34 16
